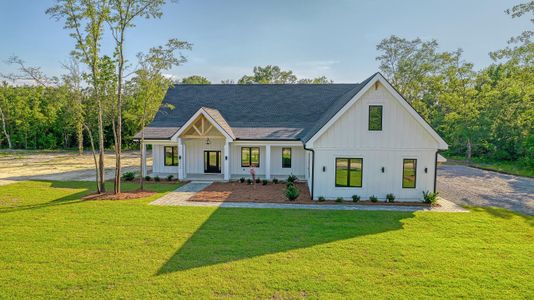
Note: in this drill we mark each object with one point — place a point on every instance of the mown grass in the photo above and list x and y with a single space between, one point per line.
55 246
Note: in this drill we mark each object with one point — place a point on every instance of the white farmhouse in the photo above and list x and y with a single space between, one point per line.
343 139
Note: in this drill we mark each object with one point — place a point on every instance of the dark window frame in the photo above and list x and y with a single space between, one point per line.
348 172
175 159
381 117
414 175
286 166
250 157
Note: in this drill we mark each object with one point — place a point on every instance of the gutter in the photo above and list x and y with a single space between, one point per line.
435 170
313 168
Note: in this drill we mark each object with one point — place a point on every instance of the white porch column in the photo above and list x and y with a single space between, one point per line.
267 162
226 160
143 160
181 161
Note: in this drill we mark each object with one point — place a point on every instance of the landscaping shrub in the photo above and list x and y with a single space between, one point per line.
258 180
242 179
275 181
264 182
339 199
430 197
291 178
292 192
249 181
157 179
170 177
321 199
148 178
128 176
355 198
373 198
390 198
289 183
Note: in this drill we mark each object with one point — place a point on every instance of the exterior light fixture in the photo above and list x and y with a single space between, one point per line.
426 170
324 169
179 157
383 169
208 141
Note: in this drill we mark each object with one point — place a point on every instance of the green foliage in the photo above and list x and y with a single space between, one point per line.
321 199
275 181
242 179
292 178
292 192
373 198
339 199
264 182
249 181
148 178
274 75
157 179
390 198
195 79
258 180
170 177
430 197
355 198
128 176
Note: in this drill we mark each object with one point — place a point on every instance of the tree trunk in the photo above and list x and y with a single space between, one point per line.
94 158
101 149
469 149
4 129
118 149
79 134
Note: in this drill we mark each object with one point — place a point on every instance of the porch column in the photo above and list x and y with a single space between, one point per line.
267 162
181 159
226 160
143 160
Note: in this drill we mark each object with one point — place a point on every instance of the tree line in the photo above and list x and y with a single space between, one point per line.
96 105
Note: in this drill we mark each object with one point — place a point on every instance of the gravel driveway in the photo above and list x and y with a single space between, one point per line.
469 186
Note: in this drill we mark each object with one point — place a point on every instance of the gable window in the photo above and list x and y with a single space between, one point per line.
349 172
375 117
409 173
286 157
171 155
250 156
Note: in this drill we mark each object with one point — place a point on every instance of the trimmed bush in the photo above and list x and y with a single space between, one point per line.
321 199
292 192
291 178
148 178
289 183
339 199
170 177
390 198
249 181
128 176
355 198
275 181
157 179
373 198
264 182
258 180
430 197
242 179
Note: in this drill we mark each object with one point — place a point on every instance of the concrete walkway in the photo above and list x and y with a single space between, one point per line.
180 196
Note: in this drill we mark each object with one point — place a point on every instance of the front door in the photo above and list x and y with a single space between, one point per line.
212 161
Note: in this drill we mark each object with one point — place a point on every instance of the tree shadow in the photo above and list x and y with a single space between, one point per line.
232 234
68 199
502 213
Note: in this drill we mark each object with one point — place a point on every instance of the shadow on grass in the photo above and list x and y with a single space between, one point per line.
68 199
232 234
502 213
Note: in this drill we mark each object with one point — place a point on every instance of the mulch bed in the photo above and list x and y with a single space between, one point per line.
122 196
152 181
272 193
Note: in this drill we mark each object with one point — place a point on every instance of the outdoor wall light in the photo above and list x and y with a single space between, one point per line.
383 169
426 170
324 169
225 157
179 157
208 141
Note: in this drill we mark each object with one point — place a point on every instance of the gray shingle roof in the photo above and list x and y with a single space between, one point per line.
256 111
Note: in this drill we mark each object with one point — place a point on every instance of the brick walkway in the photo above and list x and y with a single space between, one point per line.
180 196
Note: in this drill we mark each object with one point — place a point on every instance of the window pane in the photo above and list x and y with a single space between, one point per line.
245 157
355 177
255 156
171 155
409 172
342 171
175 156
375 117
286 157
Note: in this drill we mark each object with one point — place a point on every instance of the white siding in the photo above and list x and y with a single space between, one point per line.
195 148
235 161
401 137
297 162
158 157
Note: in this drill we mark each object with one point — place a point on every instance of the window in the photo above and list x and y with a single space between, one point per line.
250 156
171 155
375 117
349 172
409 173
286 157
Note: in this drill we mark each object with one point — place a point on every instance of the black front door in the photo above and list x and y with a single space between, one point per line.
212 161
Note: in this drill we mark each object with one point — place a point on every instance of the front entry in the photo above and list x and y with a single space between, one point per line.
212 161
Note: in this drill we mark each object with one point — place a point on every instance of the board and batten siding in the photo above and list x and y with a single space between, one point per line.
297 161
158 158
194 149
401 137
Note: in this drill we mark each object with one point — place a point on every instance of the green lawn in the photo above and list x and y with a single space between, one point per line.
510 167
53 245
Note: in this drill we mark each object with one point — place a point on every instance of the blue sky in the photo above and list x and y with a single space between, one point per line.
336 38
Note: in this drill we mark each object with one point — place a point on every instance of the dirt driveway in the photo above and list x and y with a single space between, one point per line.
54 165
469 186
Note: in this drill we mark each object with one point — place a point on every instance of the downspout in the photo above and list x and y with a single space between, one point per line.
312 169
435 170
